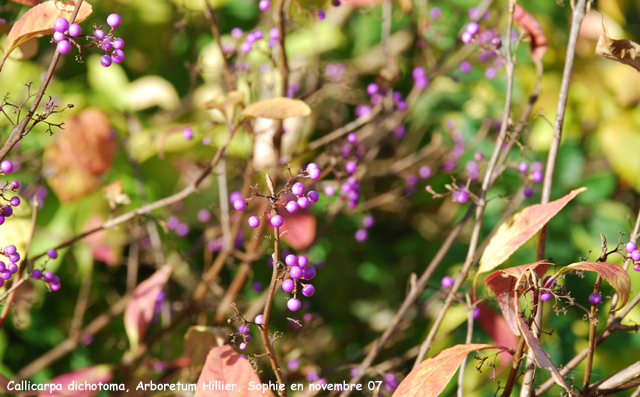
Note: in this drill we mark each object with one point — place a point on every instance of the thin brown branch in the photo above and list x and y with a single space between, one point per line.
210 13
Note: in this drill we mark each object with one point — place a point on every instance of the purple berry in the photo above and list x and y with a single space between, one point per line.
308 273
476 312
259 319
595 298
473 28
313 196
99 34
182 229
523 167
13 268
118 43
435 12
243 329
321 15
274 34
64 47
3 267
545 296
361 235
635 255
308 290
303 202
466 37
447 282
6 211
52 253
254 221
329 190
1 219
114 20
303 261
462 197
106 61
6 166
47 276
368 221
292 206
277 221
117 56
537 176
298 188
60 25
372 88
315 173
631 246
59 36
173 222
36 274
235 196
465 67
236 33
10 250
490 73
496 42
399 132
14 257
295 272
528 191
239 204
75 30
6 275
294 304
187 133
352 137
264 5
291 260
204 215
351 167
288 285
14 185
242 345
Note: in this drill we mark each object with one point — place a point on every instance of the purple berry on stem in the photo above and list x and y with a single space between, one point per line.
292 206
47 276
295 272
294 304
308 290
595 298
303 261
204 215
313 196
351 167
75 30
6 275
12 267
10 250
99 34
264 5
447 282
361 235
303 202
298 188
106 61
523 167
239 204
14 257
59 36
36 274
288 285
60 25
114 20
473 28
259 319
537 176
64 47
545 296
277 221
631 246
254 221
6 166
117 56
308 273
291 260
635 255
52 253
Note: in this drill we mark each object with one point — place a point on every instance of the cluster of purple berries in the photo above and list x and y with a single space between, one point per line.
298 269
65 34
420 80
532 173
362 234
250 39
335 72
634 254
488 36
377 94
7 210
181 229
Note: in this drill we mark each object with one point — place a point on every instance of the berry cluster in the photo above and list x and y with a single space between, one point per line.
7 210
634 254
532 173
377 94
298 269
66 33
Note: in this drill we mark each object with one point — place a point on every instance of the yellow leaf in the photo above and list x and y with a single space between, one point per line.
277 108
16 229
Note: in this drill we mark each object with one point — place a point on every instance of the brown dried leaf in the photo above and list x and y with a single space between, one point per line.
276 108
505 283
38 21
433 374
520 228
623 50
532 26
614 274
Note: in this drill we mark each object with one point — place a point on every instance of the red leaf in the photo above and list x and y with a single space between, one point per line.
91 375
498 329
302 229
504 284
139 312
532 26
38 21
225 367
614 274
520 228
540 356
432 375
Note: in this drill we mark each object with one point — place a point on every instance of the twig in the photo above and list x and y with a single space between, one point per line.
593 322
470 309
279 16
20 130
475 236
226 72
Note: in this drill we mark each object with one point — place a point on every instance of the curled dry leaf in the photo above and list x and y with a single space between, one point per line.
506 283
532 26
38 21
520 228
139 312
623 50
276 108
541 357
226 367
91 375
614 274
432 375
